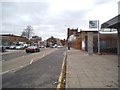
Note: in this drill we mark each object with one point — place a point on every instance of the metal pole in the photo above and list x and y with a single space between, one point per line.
118 42
98 39
118 52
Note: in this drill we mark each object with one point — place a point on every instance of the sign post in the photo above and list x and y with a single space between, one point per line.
90 43
95 24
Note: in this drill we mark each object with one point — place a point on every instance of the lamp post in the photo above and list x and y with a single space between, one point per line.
68 38
98 39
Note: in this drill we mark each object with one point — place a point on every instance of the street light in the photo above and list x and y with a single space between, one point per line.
68 41
98 39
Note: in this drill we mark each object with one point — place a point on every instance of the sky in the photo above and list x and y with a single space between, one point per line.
53 17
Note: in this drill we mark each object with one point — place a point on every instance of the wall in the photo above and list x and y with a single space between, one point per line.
76 43
71 32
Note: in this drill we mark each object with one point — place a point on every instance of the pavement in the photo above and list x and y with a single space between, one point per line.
91 71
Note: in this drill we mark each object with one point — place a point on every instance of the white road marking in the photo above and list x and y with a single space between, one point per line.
31 61
13 70
43 55
4 72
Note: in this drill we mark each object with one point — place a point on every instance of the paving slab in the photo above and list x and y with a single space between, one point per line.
91 71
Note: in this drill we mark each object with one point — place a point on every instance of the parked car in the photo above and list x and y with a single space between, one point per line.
32 49
20 47
12 47
42 46
59 46
25 45
7 47
55 46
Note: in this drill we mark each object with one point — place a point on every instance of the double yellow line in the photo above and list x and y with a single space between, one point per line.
60 80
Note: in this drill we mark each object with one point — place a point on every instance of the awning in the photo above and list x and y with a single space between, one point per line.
112 23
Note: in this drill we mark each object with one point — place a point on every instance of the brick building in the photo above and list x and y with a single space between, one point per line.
107 43
71 32
52 41
36 40
63 42
10 39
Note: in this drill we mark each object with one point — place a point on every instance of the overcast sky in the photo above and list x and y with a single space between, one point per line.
52 17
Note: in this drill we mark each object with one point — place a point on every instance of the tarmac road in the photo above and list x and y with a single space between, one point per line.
10 56
41 74
15 54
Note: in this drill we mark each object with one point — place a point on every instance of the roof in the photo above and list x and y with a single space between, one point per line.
112 23
9 35
12 35
89 31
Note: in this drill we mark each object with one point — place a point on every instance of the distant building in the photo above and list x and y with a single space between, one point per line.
63 42
71 32
52 41
10 39
36 40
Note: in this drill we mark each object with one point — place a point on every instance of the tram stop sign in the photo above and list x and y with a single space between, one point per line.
93 24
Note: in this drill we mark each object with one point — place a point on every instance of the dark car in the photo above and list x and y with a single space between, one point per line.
32 49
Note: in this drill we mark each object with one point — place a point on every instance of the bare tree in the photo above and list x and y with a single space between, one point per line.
27 32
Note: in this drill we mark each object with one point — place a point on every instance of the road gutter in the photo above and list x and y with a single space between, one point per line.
62 76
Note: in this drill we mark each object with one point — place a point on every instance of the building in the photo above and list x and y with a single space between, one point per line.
85 40
36 40
108 44
52 41
63 42
73 38
82 41
10 39
115 23
71 32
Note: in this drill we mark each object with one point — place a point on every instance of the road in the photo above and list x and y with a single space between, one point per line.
11 56
20 62
15 54
43 73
